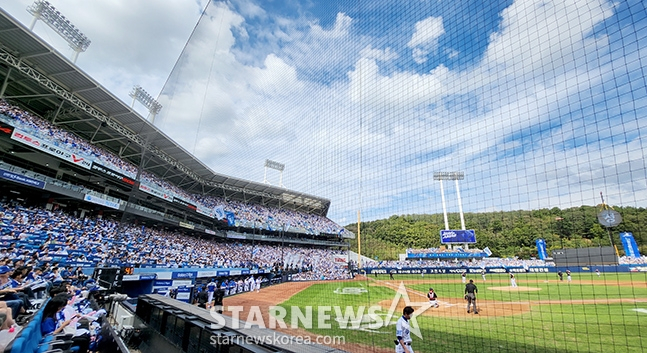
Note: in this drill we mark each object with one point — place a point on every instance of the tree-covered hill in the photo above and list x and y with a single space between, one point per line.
507 234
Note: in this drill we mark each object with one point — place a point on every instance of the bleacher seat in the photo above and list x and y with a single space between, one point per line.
30 337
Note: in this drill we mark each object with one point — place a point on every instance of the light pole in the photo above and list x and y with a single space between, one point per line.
456 176
44 11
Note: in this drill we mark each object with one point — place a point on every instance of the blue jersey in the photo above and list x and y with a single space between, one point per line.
211 287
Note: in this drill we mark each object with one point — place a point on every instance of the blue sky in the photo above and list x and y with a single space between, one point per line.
540 103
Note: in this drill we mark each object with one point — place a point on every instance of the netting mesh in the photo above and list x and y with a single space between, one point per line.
539 103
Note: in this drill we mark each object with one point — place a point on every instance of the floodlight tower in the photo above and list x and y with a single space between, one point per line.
456 176
43 10
276 166
140 95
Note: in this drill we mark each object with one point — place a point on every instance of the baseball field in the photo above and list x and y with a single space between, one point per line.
588 314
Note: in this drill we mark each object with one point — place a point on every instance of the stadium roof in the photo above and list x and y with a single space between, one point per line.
37 77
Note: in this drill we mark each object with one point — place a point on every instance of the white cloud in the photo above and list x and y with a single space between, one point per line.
387 54
340 28
425 38
367 140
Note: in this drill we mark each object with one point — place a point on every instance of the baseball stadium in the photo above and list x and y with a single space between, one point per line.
251 176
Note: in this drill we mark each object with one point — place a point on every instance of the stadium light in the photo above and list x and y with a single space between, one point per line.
456 176
276 166
140 95
43 10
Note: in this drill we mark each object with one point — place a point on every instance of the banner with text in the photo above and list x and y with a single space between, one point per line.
448 236
5 174
629 244
112 174
49 148
101 201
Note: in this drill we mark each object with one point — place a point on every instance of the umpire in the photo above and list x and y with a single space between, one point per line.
470 295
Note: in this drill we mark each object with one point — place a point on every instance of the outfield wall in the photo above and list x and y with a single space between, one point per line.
477 270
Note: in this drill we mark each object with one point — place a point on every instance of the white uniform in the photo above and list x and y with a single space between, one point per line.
513 281
402 329
258 283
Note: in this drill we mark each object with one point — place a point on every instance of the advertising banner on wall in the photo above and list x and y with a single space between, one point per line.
101 201
49 148
112 174
5 174
5 130
155 192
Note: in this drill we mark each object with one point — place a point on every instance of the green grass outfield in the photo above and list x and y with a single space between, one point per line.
591 314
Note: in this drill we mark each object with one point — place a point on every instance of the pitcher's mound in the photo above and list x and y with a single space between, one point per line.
515 289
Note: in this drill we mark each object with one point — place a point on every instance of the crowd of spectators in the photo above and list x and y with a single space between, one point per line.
630 260
36 235
252 215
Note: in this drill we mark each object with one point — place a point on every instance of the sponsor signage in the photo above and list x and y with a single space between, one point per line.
162 283
130 278
6 130
209 231
183 203
447 255
454 270
449 236
182 283
5 174
155 192
187 225
112 174
101 201
184 275
50 148
206 274
222 273
205 211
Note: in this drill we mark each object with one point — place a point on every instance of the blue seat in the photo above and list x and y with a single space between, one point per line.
29 338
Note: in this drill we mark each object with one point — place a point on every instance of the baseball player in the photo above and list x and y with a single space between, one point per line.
433 298
513 281
483 274
568 275
464 276
403 332
211 288
259 279
597 272
225 287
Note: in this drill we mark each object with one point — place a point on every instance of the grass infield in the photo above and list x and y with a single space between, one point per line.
589 314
